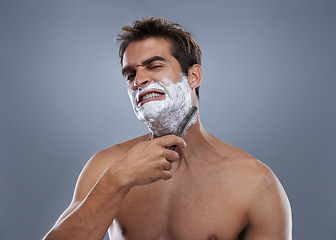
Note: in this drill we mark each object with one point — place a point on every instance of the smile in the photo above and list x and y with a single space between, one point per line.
152 95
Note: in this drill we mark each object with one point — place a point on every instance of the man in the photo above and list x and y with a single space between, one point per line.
204 189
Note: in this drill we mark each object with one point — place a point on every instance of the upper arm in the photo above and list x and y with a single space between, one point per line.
269 209
90 175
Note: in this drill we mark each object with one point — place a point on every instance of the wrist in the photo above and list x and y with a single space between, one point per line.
117 181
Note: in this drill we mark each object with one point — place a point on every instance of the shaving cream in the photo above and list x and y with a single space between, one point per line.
164 116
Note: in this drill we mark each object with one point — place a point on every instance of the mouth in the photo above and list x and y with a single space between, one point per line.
151 95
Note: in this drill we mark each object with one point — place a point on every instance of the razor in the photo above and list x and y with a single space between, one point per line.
183 125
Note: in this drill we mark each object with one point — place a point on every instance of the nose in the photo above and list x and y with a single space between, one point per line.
142 78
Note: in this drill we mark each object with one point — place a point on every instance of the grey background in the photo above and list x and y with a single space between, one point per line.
268 88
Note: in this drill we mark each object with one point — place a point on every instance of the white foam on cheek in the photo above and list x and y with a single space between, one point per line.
163 117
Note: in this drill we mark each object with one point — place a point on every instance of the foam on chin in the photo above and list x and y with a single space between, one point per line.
163 117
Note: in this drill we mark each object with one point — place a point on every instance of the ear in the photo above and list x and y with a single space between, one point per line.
195 76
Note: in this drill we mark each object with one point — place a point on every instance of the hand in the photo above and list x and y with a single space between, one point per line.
148 162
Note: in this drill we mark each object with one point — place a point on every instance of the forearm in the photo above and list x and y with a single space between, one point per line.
92 217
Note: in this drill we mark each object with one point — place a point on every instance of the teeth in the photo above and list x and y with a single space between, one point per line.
150 95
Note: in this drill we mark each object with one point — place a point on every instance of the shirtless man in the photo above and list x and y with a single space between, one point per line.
205 189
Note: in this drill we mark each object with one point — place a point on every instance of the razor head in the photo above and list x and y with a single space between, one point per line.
186 120
183 125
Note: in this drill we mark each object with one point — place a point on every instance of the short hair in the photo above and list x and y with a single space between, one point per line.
184 47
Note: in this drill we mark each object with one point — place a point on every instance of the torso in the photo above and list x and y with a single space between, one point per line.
202 201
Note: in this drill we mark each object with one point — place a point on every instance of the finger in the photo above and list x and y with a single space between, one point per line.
170 140
168 166
167 175
171 156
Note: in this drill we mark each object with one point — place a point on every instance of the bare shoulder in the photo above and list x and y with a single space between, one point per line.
99 162
261 194
255 178
95 168
268 207
246 167
260 180
265 200
102 159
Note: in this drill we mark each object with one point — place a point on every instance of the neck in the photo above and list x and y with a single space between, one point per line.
200 145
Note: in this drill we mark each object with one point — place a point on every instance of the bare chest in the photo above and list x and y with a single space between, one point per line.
190 209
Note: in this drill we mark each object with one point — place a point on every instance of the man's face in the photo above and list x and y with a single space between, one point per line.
155 84
149 61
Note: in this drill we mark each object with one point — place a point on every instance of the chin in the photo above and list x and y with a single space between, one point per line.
151 111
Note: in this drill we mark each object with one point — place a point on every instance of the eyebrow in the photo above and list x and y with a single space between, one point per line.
144 63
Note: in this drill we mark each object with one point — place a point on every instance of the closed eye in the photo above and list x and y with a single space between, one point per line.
130 77
154 66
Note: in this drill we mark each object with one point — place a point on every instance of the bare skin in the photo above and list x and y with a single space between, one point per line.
221 193
208 189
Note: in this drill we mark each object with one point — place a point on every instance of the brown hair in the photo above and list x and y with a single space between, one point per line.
184 47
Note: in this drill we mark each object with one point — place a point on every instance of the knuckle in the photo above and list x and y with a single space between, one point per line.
156 150
161 152
168 175
163 162
174 155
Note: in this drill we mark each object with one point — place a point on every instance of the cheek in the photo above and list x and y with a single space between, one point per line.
158 76
130 92
171 74
130 85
